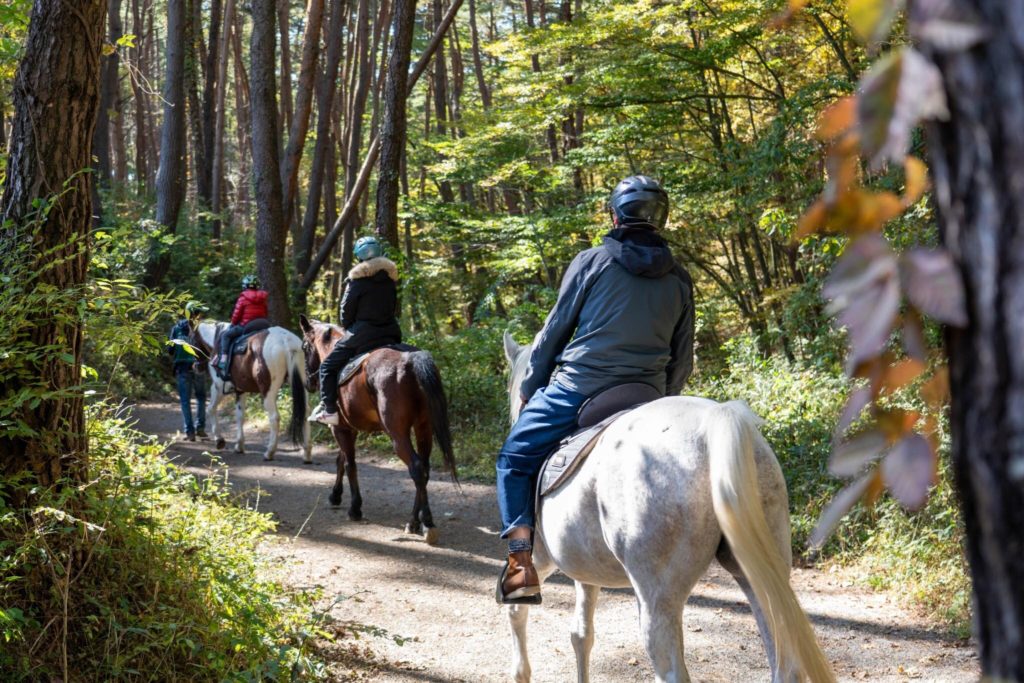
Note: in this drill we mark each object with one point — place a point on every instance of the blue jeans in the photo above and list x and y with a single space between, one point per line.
549 416
189 382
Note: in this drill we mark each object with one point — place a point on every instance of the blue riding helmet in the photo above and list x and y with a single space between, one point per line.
250 282
367 248
639 201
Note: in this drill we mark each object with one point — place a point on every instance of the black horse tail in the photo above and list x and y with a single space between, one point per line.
429 380
297 427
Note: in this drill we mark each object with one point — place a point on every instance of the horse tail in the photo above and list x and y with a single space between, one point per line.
429 379
296 429
731 433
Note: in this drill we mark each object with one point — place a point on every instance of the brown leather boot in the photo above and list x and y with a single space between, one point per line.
519 583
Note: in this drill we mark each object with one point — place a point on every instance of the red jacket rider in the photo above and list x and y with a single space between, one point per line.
251 304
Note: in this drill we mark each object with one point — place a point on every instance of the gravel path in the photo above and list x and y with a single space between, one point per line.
438 600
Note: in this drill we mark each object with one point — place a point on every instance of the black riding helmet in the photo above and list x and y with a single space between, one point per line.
639 201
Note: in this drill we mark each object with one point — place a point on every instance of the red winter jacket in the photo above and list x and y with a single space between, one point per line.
251 304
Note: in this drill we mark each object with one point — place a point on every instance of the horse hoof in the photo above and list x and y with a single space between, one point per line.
220 444
431 535
268 457
308 460
410 529
334 502
355 516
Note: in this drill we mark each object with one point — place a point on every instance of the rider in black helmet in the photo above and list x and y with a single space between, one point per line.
624 314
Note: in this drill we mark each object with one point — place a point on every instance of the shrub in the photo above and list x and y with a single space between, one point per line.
144 572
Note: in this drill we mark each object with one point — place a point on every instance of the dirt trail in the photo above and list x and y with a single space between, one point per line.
440 598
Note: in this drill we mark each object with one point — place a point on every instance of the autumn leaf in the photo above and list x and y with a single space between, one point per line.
916 182
838 118
896 93
902 374
865 296
933 285
850 457
909 471
838 508
935 391
871 19
812 221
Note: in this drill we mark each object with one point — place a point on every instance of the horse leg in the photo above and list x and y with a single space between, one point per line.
517 622
211 413
307 450
424 445
661 624
583 628
729 563
274 419
239 421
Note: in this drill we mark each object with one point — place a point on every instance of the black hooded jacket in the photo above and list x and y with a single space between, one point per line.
624 314
369 307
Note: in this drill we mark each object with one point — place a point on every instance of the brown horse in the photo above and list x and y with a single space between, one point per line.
396 392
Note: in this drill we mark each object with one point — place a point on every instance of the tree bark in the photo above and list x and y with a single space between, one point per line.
326 90
56 95
217 172
478 65
140 100
109 96
271 233
978 164
213 86
393 124
283 19
303 105
170 179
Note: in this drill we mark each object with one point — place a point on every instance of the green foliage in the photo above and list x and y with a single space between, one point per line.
144 572
919 554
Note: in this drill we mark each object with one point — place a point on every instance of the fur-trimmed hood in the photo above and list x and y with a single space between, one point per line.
373 266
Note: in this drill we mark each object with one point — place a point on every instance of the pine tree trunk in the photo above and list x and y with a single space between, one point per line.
109 94
326 89
56 96
140 103
393 125
303 105
217 171
271 233
212 89
170 179
977 163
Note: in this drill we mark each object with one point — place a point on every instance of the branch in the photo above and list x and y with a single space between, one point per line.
363 179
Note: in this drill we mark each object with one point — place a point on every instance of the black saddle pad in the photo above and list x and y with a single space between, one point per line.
241 344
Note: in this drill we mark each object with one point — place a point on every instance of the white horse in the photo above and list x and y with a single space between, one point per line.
274 356
668 487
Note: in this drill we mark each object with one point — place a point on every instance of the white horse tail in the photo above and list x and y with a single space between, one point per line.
731 433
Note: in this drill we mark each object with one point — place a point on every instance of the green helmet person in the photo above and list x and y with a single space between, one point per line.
250 282
367 248
195 309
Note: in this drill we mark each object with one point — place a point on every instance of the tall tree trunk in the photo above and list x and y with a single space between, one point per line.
243 127
303 106
393 125
139 97
213 86
325 95
193 64
56 96
271 233
110 94
284 24
478 65
977 163
217 172
170 179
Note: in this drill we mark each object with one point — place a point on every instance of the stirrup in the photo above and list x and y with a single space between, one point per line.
533 598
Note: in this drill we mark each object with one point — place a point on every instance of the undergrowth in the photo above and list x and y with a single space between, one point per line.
144 572
918 556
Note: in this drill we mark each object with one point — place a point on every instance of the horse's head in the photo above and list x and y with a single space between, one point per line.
201 337
318 339
519 361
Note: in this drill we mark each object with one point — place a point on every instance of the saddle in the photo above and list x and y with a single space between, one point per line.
595 415
352 367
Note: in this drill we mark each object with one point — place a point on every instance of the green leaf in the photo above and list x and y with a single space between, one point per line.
871 19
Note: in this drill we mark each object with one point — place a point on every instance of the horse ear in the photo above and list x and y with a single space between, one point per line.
511 347
304 323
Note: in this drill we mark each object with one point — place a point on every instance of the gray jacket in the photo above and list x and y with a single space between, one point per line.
624 314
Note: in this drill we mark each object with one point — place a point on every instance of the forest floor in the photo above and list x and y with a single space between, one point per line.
427 614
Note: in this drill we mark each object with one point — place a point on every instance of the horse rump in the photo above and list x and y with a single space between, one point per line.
429 379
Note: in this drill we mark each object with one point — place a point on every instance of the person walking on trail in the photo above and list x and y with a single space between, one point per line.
250 314
189 371
369 316
624 314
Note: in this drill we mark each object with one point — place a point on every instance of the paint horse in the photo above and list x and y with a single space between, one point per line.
668 487
273 357
395 391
